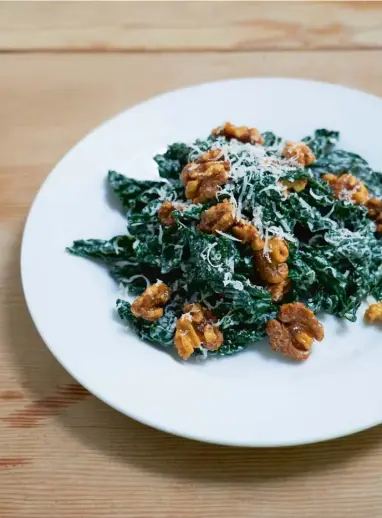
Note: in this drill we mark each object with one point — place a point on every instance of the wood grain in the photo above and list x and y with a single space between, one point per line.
170 26
64 453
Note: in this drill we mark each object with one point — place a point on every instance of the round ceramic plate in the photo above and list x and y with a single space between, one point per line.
256 398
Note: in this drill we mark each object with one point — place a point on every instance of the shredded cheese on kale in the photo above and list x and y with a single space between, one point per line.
335 258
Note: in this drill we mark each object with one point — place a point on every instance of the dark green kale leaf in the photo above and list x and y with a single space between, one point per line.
190 213
250 305
340 161
171 163
239 337
134 276
172 250
211 258
322 142
308 215
161 332
120 247
270 139
136 194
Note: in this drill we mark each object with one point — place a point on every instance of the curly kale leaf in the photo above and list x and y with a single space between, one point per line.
211 258
120 247
136 194
134 276
171 163
251 304
270 139
190 213
172 250
322 142
161 331
240 337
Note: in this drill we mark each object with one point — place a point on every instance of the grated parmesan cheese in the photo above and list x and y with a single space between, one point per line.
160 236
228 236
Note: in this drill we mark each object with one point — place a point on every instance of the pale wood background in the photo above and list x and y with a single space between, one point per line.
64 69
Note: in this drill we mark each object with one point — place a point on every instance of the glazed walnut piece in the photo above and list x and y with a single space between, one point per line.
248 234
278 250
149 305
296 185
294 331
373 312
269 271
375 211
279 290
194 328
203 177
299 152
272 267
220 217
241 133
347 186
165 213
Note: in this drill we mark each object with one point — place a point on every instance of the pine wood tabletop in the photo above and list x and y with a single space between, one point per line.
64 68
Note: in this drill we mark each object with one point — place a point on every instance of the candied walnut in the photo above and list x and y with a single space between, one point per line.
194 328
219 217
295 330
270 271
149 305
213 337
375 211
296 185
278 250
299 152
165 213
248 234
330 178
272 267
373 312
279 290
202 163
242 133
203 177
280 339
212 155
297 315
186 338
347 187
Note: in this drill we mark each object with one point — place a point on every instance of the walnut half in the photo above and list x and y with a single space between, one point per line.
373 312
300 152
194 328
248 234
279 290
220 217
347 186
241 133
165 213
294 331
149 305
295 185
203 177
374 212
272 267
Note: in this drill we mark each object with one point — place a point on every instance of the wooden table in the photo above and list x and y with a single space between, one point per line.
64 68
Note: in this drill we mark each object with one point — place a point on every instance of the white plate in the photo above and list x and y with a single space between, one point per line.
256 398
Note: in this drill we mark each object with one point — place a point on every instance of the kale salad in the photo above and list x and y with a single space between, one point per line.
246 235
